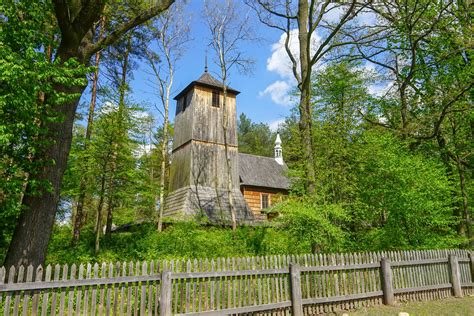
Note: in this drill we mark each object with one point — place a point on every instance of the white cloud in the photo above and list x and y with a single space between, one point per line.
143 149
280 63
279 92
108 107
366 18
380 89
275 125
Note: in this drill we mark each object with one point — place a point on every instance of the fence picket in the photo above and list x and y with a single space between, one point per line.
79 291
8 298
144 271
237 285
2 281
86 290
20 277
36 294
118 271
135 290
94 291
149 289
110 274
70 304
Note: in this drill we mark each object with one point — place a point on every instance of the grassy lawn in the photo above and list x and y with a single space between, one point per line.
452 307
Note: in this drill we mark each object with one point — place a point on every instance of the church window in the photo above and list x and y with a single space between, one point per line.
215 98
264 201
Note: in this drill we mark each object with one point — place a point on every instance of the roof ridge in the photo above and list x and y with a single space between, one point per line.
256 155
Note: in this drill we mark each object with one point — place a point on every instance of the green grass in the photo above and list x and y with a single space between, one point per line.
447 307
179 241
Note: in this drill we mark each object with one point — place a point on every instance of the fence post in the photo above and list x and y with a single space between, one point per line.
165 301
386 277
455 275
296 299
471 263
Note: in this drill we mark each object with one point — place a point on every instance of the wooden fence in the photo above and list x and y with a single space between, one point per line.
276 285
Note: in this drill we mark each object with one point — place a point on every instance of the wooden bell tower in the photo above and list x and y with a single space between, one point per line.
198 175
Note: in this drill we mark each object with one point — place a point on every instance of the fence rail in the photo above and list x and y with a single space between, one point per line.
276 285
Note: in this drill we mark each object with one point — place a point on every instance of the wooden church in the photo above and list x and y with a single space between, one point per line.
198 174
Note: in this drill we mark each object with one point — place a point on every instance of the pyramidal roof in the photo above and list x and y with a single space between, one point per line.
208 81
207 78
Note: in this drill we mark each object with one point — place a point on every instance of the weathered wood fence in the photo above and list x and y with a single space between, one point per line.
276 285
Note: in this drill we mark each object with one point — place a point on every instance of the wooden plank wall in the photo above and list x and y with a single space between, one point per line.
252 196
327 283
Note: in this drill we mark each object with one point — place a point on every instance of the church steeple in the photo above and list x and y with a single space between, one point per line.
278 150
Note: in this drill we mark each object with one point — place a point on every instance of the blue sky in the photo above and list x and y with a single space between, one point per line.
264 93
260 108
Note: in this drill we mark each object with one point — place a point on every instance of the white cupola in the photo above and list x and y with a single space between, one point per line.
278 150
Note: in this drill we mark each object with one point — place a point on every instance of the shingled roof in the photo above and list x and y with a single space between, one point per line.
208 81
262 172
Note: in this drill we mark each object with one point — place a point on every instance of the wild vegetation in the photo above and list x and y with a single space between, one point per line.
371 170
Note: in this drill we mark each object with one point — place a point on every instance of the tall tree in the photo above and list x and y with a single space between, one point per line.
421 47
303 20
171 31
77 43
79 214
338 91
229 27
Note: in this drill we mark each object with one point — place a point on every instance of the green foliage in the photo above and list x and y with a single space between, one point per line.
180 240
312 226
387 195
255 139
27 75
338 92
404 198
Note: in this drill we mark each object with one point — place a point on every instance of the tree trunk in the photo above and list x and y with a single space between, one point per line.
164 157
79 218
98 225
306 128
305 108
111 189
33 231
225 127
466 218
110 207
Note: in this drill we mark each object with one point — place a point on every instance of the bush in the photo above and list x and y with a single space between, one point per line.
180 240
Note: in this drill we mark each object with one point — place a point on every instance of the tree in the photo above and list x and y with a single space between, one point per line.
403 197
255 139
311 225
338 91
421 48
171 30
26 103
78 218
76 22
229 26
304 20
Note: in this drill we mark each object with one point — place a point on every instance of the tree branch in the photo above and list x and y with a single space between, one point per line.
127 26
